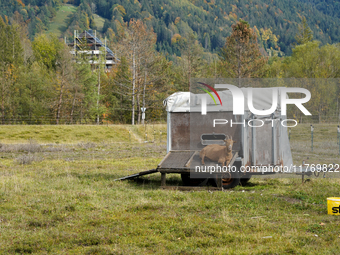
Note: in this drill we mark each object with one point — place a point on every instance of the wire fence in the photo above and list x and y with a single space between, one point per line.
80 120
314 119
75 120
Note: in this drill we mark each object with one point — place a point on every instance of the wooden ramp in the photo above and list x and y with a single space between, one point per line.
137 175
191 188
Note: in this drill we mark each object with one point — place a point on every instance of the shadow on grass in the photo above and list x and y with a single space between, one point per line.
92 176
157 181
249 184
140 182
154 181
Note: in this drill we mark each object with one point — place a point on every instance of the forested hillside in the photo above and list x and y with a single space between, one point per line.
275 20
161 45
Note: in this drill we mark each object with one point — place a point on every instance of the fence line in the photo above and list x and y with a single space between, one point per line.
66 121
80 120
76 120
319 119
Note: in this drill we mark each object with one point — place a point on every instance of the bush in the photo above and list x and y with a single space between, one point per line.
27 159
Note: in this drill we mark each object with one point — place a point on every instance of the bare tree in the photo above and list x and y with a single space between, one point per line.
93 8
137 46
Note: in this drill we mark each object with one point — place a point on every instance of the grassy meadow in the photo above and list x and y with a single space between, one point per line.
58 196
59 23
99 21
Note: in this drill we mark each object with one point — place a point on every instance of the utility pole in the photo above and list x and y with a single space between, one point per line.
98 95
312 132
337 109
145 74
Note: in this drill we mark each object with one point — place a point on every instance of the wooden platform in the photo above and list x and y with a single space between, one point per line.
179 162
190 188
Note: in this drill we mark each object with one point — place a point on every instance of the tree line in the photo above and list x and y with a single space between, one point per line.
42 83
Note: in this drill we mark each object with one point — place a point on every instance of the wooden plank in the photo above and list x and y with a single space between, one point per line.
137 175
232 161
189 161
187 169
176 159
174 170
166 156
182 150
189 188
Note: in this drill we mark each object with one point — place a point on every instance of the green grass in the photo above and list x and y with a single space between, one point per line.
59 23
66 201
99 21
326 149
66 134
154 132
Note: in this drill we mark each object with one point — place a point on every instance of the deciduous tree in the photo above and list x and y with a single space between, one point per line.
191 60
137 45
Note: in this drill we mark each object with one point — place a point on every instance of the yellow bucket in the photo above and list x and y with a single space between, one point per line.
333 205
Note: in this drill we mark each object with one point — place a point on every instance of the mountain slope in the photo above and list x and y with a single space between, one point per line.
211 20
60 23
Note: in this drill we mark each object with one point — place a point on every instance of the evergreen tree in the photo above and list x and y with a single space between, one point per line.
84 88
240 56
190 62
305 34
10 61
34 94
119 92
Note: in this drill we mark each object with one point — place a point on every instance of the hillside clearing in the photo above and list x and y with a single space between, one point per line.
60 22
99 21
